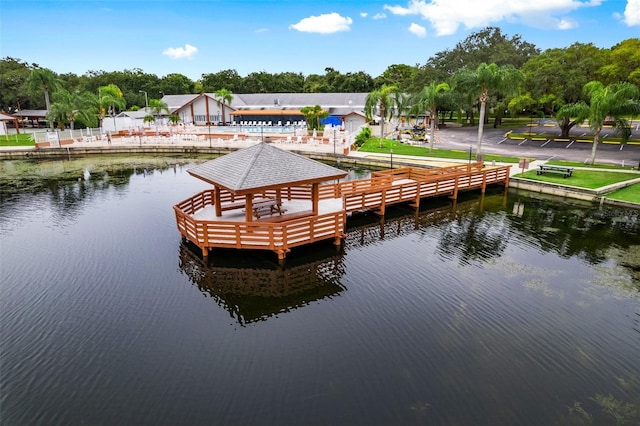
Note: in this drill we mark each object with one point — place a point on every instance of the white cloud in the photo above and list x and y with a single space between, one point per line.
327 23
363 14
446 16
186 52
262 30
566 24
632 13
417 30
379 16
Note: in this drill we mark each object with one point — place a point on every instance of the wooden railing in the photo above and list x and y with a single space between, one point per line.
279 237
382 189
411 184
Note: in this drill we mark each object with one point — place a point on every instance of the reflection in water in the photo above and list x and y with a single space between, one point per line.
254 293
70 186
603 236
465 234
453 313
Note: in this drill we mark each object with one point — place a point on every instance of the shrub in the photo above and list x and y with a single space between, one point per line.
363 136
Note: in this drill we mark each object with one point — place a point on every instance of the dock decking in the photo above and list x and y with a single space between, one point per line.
298 225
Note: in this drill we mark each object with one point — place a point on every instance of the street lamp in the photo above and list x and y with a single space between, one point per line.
146 100
334 141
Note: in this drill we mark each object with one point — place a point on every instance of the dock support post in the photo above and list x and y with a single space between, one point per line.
454 196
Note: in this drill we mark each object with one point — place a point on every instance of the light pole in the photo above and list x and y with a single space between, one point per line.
146 100
334 141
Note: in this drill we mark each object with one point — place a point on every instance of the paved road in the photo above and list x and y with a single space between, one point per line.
494 142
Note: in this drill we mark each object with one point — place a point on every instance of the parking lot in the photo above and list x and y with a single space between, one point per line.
536 146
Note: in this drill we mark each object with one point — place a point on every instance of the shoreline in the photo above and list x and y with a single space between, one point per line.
320 152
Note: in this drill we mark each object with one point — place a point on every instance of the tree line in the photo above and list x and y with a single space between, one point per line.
552 76
486 72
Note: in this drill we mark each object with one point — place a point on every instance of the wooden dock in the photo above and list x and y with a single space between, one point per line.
280 233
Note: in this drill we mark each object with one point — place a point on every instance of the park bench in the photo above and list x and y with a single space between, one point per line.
269 206
564 171
232 205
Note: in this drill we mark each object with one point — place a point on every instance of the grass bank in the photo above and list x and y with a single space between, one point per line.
595 166
23 139
590 179
384 146
630 194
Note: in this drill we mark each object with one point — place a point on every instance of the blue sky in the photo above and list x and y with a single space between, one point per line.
207 36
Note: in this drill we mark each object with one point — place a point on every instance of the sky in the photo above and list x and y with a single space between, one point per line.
208 36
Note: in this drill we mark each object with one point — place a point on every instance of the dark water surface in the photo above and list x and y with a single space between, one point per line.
494 311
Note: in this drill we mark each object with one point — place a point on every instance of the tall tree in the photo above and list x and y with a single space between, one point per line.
381 102
610 102
226 97
313 115
356 82
42 80
13 74
399 74
488 45
157 106
428 100
569 115
289 82
109 99
176 84
71 106
622 63
482 80
226 78
562 72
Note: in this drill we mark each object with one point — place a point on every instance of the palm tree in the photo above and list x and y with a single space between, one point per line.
610 102
428 100
70 106
42 79
157 106
381 101
225 96
313 114
504 79
109 98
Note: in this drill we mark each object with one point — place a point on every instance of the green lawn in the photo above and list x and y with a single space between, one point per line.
630 193
22 139
384 147
579 164
590 179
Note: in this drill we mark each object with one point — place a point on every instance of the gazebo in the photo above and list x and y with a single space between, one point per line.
263 197
8 117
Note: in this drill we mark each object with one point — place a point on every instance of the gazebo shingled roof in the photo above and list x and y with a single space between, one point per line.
263 166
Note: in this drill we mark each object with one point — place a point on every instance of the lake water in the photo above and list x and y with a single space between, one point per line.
498 310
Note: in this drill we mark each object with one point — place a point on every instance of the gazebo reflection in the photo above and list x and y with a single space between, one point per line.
252 288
